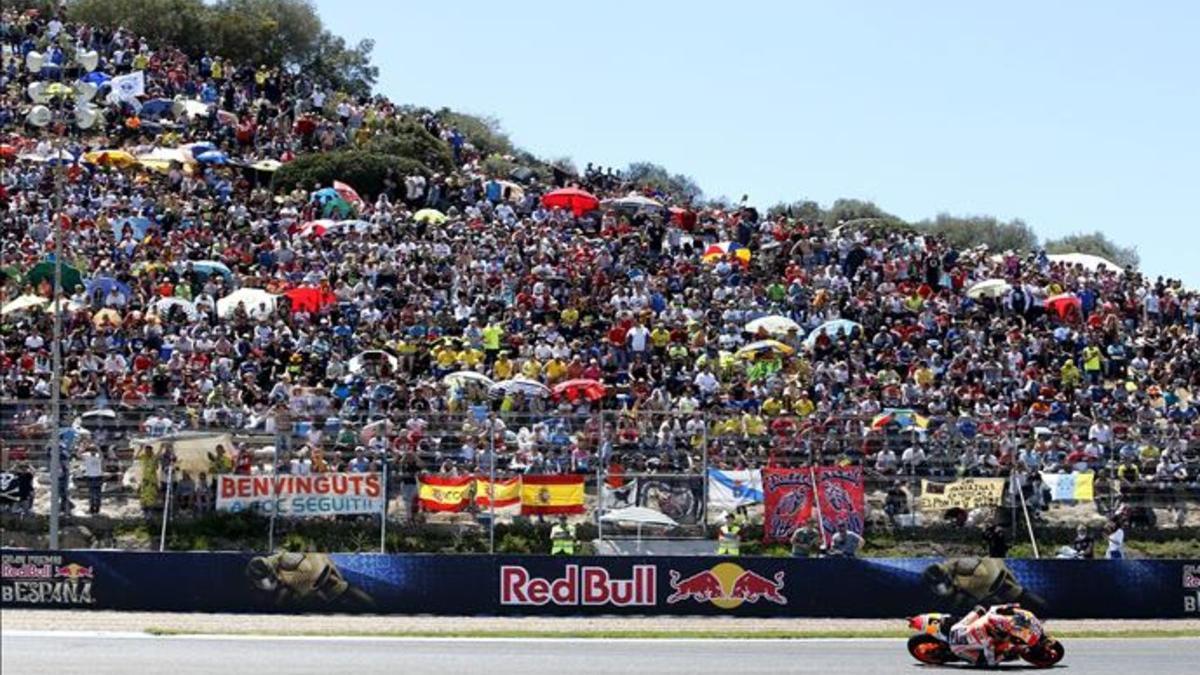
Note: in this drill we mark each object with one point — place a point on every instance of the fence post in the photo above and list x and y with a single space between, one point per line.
274 493
492 483
162 537
601 470
383 513
704 472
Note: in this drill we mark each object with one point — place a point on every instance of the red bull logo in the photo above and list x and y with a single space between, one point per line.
73 571
727 585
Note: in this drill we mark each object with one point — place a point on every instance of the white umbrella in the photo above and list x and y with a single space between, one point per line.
252 298
361 361
1089 261
640 516
773 325
990 288
164 305
464 376
523 385
633 202
23 303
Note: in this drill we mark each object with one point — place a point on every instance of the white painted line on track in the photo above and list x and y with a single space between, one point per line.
138 635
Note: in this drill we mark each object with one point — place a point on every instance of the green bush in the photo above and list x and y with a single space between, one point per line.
412 141
365 171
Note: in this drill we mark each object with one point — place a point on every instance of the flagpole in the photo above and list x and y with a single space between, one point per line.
817 502
492 483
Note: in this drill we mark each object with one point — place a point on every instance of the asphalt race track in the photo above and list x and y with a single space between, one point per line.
101 653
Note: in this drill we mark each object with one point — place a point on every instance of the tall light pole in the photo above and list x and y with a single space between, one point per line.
84 116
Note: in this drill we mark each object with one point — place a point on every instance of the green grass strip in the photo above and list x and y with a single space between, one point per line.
666 634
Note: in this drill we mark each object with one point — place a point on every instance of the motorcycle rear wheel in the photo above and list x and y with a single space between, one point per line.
1047 653
929 649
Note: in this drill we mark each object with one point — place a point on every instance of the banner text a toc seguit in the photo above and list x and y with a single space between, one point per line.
590 586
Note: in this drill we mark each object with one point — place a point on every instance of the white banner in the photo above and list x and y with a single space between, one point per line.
323 494
728 490
125 87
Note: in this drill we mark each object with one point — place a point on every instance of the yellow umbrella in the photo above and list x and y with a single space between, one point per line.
764 347
429 216
109 316
58 89
117 158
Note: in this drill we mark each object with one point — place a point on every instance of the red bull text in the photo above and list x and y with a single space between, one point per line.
584 585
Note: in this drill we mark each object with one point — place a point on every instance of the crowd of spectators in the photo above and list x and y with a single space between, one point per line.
627 293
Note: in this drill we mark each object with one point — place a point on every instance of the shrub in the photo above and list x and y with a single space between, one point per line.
365 171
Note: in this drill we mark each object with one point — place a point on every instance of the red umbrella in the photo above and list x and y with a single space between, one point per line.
1064 305
578 201
8 151
309 299
572 390
683 218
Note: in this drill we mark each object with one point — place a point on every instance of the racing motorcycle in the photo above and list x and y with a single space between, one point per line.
931 644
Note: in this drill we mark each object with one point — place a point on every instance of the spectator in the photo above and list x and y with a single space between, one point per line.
845 543
996 540
93 472
1115 534
1084 543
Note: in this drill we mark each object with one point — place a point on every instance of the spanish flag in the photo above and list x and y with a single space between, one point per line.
445 493
508 492
551 494
1070 486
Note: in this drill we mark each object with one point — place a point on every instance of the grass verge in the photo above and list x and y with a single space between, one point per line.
665 634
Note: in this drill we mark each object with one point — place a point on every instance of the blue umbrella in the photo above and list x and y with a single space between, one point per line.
157 107
106 285
833 329
212 157
210 267
96 77
138 224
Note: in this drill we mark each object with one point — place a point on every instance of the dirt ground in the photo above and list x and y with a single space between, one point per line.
392 625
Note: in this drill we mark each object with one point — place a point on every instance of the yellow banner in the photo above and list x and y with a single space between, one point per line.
966 493
551 494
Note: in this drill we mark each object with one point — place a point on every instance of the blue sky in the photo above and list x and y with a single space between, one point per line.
1074 116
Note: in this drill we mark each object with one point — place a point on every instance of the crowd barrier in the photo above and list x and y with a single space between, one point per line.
587 586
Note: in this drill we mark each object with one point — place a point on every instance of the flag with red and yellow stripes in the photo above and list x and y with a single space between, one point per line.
508 492
551 494
445 493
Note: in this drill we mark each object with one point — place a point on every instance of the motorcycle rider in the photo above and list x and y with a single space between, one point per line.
982 636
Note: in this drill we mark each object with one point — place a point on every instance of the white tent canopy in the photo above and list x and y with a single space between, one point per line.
1087 260
639 515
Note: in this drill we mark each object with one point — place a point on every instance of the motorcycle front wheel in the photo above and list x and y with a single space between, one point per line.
1047 653
929 649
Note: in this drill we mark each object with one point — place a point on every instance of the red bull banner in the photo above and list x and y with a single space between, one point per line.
789 496
324 494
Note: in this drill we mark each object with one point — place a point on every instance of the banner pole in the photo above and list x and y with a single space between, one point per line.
704 472
162 537
601 470
383 513
1029 524
492 483
274 494
817 503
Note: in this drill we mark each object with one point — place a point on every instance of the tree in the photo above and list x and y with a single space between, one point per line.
849 210
805 211
184 24
970 231
365 171
342 68
656 177
1096 244
482 132
413 141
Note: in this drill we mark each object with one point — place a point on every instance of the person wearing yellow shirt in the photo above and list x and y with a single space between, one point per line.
218 70
772 407
1092 362
556 371
445 358
470 357
503 368
491 336
660 337
803 407
923 376
531 369
913 303
569 317
1070 375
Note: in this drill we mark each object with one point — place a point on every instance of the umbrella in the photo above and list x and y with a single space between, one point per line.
990 288
683 218
332 203
634 203
577 201
117 158
138 225
157 107
8 151
772 325
429 217
372 357
360 226
309 299
163 307
521 385
106 285
212 157
208 268
833 329
191 150
1062 304
43 272
252 298
160 159
347 193
464 377
58 89
106 316
267 165
764 347
641 517
194 108
97 78
721 250
22 303
317 228
902 417
573 390
1087 260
